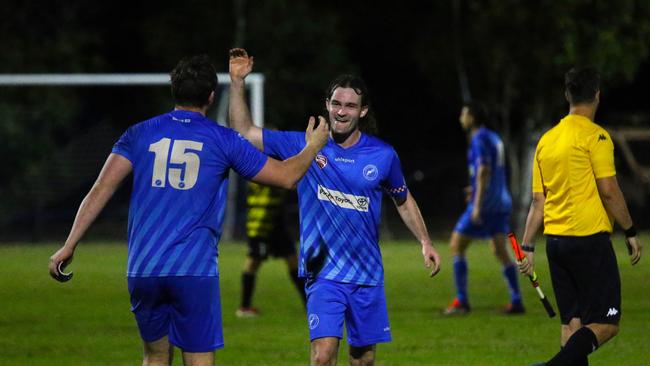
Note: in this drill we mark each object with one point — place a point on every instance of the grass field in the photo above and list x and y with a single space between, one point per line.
87 321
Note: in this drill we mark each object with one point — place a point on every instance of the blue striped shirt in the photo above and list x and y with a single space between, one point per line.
180 164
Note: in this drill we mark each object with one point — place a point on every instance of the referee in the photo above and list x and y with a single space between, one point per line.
576 194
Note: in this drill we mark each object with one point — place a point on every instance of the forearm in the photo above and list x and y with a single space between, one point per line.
88 211
482 178
412 217
535 219
239 114
615 205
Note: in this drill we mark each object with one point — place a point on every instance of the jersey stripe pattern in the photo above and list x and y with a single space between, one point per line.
180 164
340 205
486 148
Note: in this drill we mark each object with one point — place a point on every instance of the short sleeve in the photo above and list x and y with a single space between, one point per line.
245 158
124 146
601 154
481 150
283 144
394 184
538 186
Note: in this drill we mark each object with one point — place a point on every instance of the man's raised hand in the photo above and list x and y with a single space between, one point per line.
240 64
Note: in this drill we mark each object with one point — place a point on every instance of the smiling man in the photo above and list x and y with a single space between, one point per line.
340 205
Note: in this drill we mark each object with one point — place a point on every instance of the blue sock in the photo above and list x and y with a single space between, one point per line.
510 273
460 277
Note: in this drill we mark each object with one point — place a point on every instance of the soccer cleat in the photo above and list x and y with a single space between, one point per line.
250 312
456 308
514 308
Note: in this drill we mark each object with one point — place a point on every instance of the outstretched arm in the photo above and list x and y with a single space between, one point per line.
614 202
285 174
115 169
410 213
239 115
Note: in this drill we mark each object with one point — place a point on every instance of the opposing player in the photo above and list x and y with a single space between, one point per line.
488 209
340 202
180 162
576 195
267 235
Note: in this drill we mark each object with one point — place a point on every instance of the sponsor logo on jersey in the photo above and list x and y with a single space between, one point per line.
344 160
183 120
612 312
370 172
602 137
313 321
321 160
344 200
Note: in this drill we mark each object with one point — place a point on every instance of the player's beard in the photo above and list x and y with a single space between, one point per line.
346 129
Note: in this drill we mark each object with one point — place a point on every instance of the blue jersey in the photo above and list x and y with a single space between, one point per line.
180 164
340 205
486 149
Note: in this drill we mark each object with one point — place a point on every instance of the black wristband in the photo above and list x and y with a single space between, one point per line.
528 248
630 232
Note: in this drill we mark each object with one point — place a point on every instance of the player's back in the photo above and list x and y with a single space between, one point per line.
180 164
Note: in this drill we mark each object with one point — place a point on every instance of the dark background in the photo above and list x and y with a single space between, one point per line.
420 60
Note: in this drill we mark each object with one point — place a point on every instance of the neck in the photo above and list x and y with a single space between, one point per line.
347 140
203 110
585 110
473 130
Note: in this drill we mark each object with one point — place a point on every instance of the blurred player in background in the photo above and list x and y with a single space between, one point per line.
267 235
180 162
576 195
488 209
340 203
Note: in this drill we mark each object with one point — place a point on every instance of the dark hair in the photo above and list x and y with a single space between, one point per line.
368 123
582 84
478 111
193 79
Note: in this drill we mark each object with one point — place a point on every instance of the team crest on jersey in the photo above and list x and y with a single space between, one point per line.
370 172
321 160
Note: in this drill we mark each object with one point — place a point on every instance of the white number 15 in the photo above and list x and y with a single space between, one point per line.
182 178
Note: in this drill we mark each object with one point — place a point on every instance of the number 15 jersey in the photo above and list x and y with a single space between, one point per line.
180 164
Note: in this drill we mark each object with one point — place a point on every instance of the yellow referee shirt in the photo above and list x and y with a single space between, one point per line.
568 160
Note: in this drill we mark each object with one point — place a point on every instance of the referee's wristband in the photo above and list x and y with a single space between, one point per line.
630 232
528 248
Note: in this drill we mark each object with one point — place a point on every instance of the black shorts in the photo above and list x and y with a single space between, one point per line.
278 244
585 278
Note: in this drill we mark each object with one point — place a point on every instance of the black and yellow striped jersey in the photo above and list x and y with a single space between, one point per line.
265 210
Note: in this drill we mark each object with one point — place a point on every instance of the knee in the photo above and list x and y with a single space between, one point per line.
364 356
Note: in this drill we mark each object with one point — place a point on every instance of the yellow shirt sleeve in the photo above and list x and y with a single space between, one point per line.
601 154
537 174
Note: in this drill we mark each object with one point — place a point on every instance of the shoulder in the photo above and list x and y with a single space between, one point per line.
377 143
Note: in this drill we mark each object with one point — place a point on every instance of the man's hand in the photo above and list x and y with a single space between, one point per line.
240 64
527 265
431 259
318 135
60 259
634 248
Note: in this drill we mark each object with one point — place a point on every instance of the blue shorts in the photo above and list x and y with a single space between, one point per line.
187 309
362 307
491 224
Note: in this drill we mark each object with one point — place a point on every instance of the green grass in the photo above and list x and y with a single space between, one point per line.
87 321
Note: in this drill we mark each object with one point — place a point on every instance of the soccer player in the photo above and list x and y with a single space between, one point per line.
180 162
576 194
340 202
267 235
488 209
